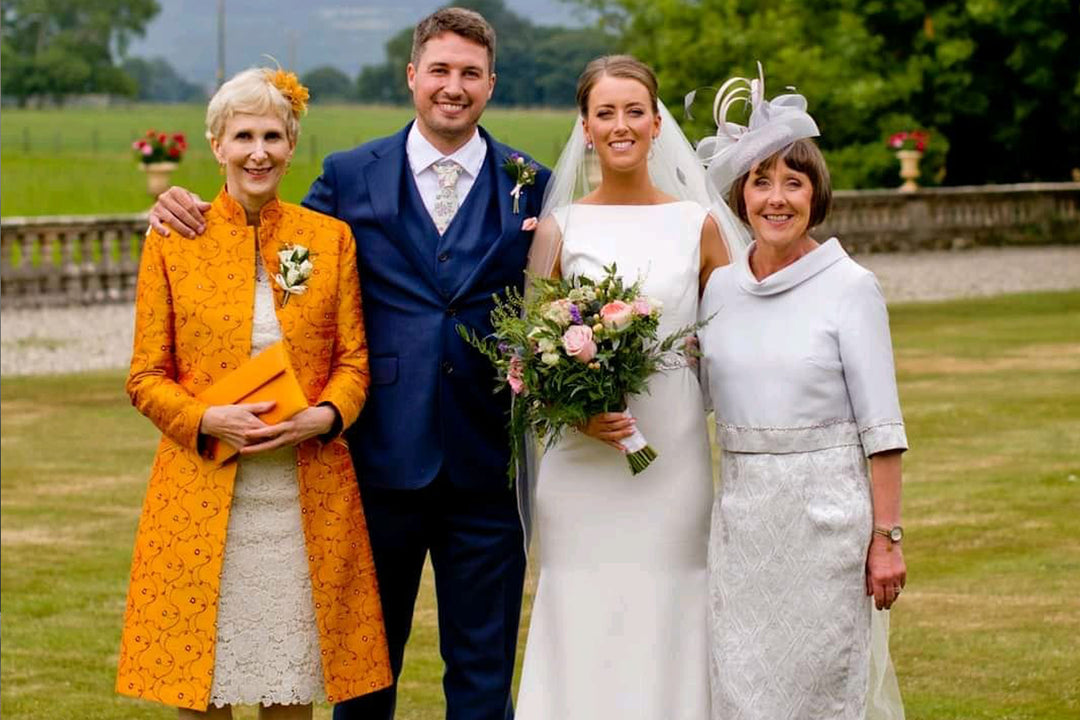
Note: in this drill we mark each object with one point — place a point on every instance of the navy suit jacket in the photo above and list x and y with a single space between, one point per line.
431 405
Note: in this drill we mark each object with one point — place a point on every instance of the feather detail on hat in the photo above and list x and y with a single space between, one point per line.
773 125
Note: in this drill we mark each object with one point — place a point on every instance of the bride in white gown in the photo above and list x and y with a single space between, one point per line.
619 621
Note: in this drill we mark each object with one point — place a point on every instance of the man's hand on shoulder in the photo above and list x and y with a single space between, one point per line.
182 210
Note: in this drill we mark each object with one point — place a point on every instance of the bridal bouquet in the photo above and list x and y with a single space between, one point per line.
575 348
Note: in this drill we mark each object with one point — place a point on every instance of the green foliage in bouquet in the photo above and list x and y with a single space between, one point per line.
576 347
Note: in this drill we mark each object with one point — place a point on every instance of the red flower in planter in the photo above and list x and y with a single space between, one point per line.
909 140
157 147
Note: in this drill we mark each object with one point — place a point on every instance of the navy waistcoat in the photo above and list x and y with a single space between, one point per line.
431 405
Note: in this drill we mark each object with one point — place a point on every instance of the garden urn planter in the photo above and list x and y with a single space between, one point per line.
909 169
157 176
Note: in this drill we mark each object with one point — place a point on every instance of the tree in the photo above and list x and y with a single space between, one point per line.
157 81
995 83
535 65
386 83
56 48
327 83
382 84
1000 80
561 55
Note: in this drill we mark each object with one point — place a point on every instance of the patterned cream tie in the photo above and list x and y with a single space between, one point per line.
446 200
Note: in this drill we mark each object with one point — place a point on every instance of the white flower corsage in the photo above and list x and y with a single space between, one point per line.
294 269
524 174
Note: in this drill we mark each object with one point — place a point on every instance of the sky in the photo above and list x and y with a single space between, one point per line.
301 35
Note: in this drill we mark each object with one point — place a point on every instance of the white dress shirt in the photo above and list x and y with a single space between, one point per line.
422 155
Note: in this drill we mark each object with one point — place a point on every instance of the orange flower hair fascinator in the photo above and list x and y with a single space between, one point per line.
290 87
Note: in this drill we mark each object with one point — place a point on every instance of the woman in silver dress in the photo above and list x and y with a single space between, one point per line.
800 371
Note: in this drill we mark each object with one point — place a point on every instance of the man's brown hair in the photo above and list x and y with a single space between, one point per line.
469 24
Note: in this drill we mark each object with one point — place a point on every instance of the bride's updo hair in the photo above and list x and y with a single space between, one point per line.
620 66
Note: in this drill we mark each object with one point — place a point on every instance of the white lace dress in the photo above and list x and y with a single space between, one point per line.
618 625
800 372
267 648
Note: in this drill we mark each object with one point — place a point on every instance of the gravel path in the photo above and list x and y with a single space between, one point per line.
89 338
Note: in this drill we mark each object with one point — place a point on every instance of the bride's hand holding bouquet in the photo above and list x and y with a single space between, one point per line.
576 348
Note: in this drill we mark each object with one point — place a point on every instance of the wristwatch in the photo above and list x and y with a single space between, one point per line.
895 533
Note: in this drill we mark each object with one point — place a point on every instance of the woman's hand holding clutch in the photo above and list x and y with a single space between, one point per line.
235 424
309 423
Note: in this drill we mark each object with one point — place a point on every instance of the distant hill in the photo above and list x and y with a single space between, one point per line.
302 35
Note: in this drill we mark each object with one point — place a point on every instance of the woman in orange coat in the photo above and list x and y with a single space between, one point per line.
252 580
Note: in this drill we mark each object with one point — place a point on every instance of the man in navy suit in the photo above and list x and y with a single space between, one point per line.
437 236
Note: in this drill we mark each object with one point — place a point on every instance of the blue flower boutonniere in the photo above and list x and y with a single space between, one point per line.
524 174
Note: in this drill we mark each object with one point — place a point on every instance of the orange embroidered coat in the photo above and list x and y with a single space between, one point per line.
193 323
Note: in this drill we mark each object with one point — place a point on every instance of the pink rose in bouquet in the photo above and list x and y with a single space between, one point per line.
576 347
513 375
616 315
579 344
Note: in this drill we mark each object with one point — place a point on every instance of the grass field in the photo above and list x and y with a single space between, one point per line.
987 628
79 160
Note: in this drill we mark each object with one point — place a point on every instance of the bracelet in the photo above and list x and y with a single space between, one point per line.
895 533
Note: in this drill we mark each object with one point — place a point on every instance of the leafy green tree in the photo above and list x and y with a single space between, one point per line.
57 48
536 65
1001 80
157 81
326 83
561 55
997 84
382 84
386 83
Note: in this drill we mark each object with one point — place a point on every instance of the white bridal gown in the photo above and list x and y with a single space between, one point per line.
800 371
619 626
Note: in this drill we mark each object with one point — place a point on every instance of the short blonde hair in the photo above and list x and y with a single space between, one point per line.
250 92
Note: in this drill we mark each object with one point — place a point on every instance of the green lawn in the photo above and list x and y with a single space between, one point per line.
79 160
987 627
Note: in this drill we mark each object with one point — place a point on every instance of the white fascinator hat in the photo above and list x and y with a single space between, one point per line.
773 125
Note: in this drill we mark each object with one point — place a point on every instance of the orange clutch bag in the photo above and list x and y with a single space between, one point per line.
267 376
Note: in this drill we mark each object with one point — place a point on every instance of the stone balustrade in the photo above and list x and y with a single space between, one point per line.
94 258
69 260
955 217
